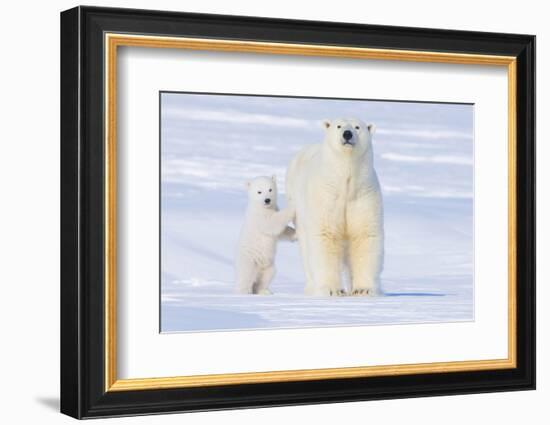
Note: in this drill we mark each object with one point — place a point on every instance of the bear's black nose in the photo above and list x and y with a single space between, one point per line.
267 201
347 134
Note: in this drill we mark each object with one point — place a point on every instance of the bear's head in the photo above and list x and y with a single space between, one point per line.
262 192
349 136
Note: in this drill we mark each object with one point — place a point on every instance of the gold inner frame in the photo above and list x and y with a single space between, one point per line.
113 41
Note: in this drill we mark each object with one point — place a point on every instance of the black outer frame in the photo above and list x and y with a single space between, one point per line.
82 219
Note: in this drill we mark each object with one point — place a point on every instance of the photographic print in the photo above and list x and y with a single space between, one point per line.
294 212
348 187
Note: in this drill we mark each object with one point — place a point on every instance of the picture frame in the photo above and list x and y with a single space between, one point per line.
91 38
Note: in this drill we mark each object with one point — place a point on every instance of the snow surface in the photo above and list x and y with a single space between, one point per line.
210 146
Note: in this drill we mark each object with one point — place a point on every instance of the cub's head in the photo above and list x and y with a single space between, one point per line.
262 192
349 135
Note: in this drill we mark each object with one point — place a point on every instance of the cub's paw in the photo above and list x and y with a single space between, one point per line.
243 291
264 292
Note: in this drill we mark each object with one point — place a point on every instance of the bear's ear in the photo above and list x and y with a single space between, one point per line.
247 185
371 128
326 123
274 178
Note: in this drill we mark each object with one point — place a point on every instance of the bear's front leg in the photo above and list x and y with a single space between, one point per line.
289 234
325 262
304 251
366 255
279 220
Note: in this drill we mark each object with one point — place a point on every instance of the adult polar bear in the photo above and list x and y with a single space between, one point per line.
339 211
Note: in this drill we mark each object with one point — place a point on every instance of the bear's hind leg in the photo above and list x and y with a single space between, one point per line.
247 275
262 286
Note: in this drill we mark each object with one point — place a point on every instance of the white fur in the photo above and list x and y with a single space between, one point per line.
263 226
339 211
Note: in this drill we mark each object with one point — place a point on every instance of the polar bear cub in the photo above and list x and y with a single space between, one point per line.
263 226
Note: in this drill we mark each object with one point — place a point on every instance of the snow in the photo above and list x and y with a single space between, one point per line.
211 144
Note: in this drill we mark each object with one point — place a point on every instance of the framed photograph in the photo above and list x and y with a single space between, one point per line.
261 212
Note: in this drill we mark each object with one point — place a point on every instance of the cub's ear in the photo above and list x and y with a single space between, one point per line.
274 178
371 128
326 123
247 185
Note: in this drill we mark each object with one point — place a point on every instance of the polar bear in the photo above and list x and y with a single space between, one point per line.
339 211
264 224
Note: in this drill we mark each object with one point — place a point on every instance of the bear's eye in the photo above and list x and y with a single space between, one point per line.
339 126
259 192
270 190
357 127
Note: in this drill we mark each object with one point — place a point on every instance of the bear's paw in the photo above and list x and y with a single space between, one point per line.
364 292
